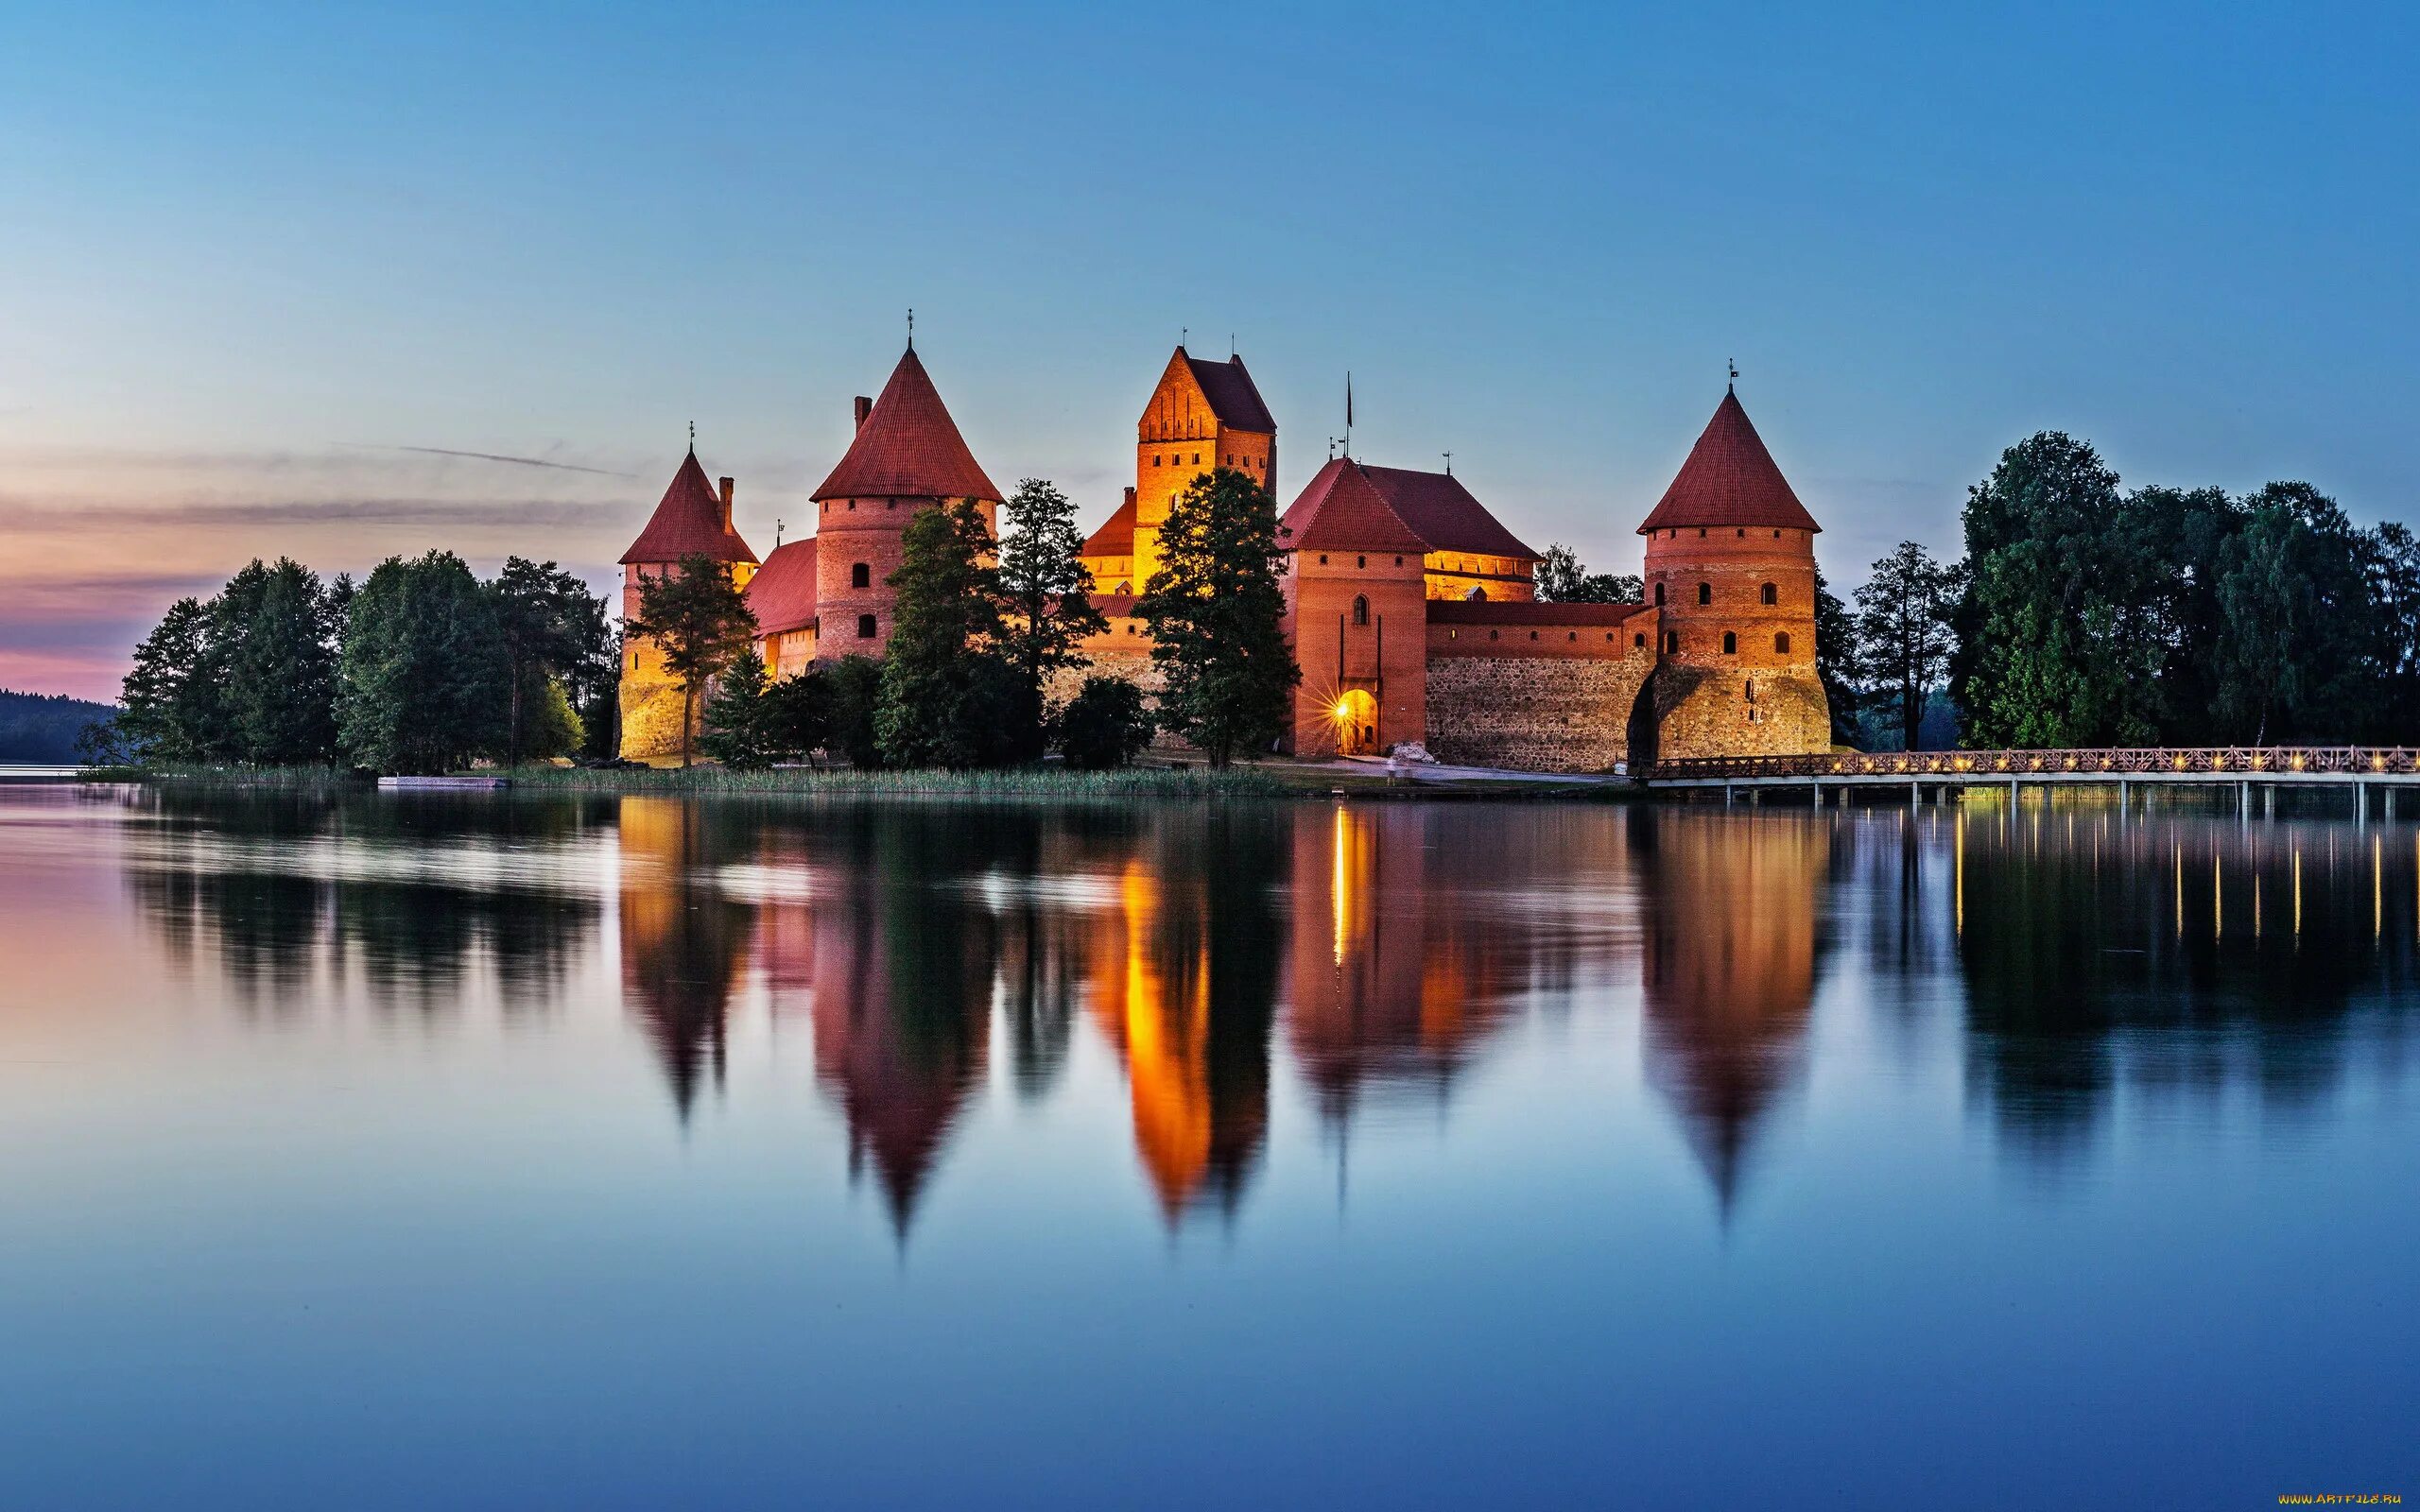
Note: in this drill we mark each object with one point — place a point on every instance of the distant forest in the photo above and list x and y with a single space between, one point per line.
41 727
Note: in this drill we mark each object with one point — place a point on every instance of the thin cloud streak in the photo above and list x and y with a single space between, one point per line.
487 456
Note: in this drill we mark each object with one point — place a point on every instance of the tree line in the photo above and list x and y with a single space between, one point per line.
421 667
981 630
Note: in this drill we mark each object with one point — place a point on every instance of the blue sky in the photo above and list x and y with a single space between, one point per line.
247 254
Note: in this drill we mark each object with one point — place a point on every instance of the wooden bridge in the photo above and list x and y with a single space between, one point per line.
2357 770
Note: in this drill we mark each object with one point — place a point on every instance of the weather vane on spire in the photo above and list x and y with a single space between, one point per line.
1183 332
1733 387
1449 464
911 328
693 438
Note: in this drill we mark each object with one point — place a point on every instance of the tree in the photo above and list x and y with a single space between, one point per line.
1215 611
174 710
1562 580
551 626
421 684
853 697
699 624
949 699
1045 592
279 630
1835 654
1105 724
2303 646
797 716
1903 634
736 717
2393 562
2062 626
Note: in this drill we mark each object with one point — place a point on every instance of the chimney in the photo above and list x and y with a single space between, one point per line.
726 504
865 407
1129 496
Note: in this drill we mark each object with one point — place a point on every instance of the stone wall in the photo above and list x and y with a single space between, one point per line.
1532 713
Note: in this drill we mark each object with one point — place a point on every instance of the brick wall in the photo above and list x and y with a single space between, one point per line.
1550 713
849 531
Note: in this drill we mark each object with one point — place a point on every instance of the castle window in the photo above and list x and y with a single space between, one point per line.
852 504
1533 635
1572 636
1156 461
1671 642
1639 642
1777 535
1701 532
1781 642
1478 595
1361 610
1399 561
1361 561
1769 594
1659 594
1730 644
1743 533
1322 558
860 576
1706 592
1197 460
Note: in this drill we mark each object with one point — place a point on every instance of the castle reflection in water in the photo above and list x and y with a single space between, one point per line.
943 954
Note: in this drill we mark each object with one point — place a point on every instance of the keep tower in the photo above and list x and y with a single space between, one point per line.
1731 568
1202 417
906 454
692 520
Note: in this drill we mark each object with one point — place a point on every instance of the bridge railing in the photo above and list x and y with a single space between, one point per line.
2232 763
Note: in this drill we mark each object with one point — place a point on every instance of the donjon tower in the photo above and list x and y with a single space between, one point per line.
692 520
1202 417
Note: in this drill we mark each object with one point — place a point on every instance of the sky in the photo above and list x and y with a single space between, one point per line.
265 270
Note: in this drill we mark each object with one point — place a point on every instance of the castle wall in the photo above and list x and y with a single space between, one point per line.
1384 658
1759 693
1559 702
869 531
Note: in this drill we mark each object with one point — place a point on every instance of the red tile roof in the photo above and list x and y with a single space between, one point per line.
1729 479
688 521
1469 611
783 591
1340 509
908 448
1116 538
1234 397
1445 514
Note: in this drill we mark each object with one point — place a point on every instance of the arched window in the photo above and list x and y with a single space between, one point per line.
1361 561
1671 642
1659 596
1781 642
1771 594
1477 595
865 627
1639 642
860 576
1361 610
1706 592
1730 644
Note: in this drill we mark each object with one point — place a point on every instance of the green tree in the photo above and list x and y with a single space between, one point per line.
1903 634
550 625
1215 611
278 630
798 712
2191 528
1836 660
1105 724
175 711
701 623
2302 646
2061 628
1562 580
2393 561
1046 606
853 697
949 699
736 733
422 683
550 726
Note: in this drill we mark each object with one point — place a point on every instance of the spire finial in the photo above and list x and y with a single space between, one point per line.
693 438
911 328
1733 387
1231 346
1183 332
1449 464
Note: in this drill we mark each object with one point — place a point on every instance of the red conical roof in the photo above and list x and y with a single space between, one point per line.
688 521
908 448
1729 479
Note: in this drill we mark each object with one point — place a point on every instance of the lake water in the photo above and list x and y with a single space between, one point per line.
505 1151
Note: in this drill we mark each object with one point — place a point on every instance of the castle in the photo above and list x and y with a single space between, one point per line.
1718 660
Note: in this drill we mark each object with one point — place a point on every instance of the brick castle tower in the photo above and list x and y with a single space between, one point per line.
906 454
693 519
1202 417
1731 570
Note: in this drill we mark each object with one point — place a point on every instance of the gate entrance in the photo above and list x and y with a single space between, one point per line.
1356 716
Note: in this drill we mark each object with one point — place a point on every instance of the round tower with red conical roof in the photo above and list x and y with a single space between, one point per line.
692 520
906 454
1731 569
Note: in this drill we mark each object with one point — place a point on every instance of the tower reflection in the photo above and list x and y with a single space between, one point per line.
684 940
1730 948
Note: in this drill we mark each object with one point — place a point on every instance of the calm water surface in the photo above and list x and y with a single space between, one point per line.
470 1151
